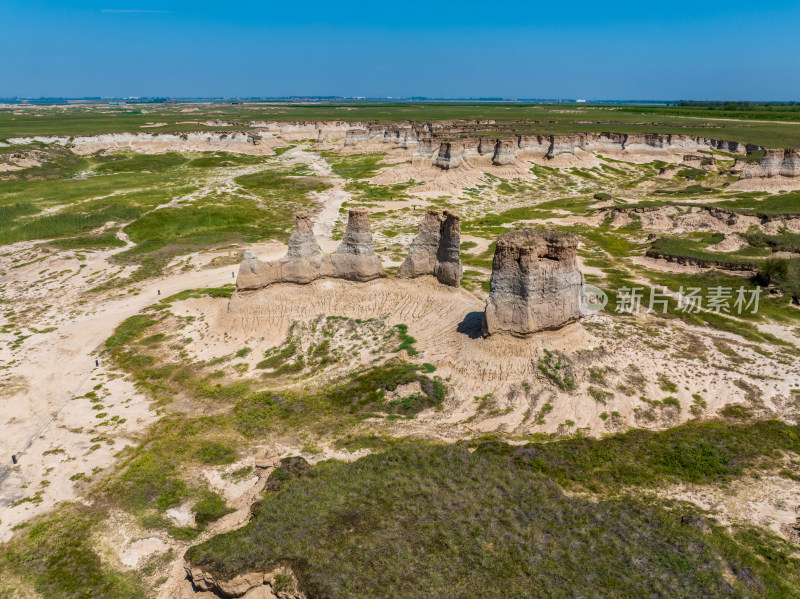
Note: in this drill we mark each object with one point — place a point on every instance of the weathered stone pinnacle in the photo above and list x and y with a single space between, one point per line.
436 250
355 259
535 284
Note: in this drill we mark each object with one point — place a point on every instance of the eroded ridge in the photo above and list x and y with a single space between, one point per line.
301 264
535 284
354 260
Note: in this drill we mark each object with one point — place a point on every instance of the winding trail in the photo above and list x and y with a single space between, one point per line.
331 200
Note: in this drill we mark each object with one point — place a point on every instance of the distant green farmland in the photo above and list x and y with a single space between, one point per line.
772 126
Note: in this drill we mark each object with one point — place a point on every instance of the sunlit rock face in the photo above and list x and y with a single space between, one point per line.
425 148
303 258
534 143
566 144
355 136
355 259
486 147
775 163
505 152
301 264
535 284
450 156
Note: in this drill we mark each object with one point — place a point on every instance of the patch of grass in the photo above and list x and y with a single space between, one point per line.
56 555
130 329
368 192
698 406
781 273
222 159
92 242
555 366
213 452
665 384
406 341
366 391
279 358
209 508
736 412
696 250
225 291
354 166
510 532
600 395
695 452
783 203
137 163
151 480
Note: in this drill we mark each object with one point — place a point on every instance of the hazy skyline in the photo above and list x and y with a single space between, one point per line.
626 50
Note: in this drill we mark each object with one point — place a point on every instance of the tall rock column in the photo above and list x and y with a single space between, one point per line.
301 264
535 284
436 250
450 156
303 260
355 259
505 152
423 253
448 257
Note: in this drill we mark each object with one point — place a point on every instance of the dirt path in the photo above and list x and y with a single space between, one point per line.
331 200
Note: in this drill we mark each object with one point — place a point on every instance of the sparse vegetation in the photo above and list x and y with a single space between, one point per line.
557 369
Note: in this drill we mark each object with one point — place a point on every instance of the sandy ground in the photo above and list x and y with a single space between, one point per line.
770 502
446 324
52 366
58 362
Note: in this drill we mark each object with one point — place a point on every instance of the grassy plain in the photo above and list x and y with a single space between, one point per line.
766 127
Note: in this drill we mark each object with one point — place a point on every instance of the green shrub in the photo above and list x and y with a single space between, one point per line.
212 452
736 411
406 341
209 508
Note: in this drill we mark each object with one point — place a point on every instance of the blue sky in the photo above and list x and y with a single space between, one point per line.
595 50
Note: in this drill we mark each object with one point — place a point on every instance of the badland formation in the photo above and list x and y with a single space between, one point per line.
535 284
433 287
